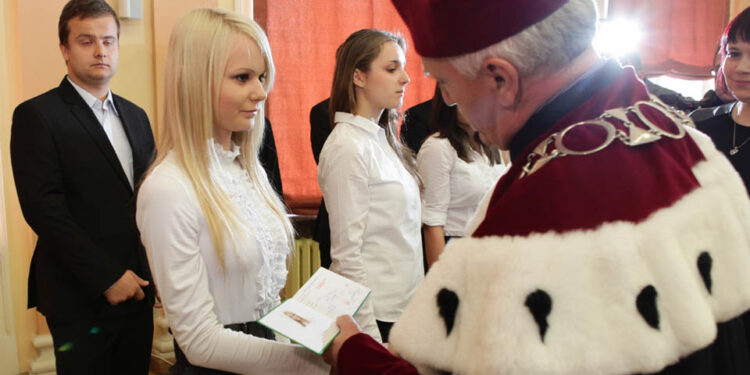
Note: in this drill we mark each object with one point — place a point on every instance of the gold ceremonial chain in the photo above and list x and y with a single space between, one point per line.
735 149
633 136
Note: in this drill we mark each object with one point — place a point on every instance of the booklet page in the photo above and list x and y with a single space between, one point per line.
309 318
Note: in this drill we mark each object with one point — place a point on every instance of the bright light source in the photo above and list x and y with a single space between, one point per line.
617 38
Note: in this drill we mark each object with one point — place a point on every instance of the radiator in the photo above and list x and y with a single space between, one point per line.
304 262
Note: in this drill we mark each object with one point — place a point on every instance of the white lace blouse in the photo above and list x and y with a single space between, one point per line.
198 295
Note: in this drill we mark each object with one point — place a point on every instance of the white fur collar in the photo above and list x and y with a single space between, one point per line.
593 279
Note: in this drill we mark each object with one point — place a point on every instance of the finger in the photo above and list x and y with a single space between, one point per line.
139 295
347 323
140 281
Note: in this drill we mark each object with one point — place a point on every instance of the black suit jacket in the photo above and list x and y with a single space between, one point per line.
416 126
320 129
320 126
269 158
74 194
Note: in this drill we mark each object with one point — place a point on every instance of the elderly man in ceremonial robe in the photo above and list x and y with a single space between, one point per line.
618 242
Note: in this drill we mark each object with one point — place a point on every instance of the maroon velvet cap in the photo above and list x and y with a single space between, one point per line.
445 28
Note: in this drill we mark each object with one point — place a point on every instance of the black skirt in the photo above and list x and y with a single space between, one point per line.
183 367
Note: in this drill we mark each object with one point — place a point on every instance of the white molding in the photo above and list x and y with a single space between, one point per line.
244 7
8 348
44 363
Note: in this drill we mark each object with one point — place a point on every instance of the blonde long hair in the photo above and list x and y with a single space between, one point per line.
198 51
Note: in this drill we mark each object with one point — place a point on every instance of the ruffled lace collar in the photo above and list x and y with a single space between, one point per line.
260 220
221 153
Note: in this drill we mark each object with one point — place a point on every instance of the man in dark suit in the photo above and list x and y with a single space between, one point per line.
78 152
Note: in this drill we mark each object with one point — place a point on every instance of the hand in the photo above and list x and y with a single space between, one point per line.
128 286
348 328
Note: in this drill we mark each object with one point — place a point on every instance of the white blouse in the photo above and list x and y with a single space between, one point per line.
374 212
198 295
453 188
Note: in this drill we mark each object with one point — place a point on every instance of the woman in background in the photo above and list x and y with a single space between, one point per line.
728 125
369 181
215 233
457 171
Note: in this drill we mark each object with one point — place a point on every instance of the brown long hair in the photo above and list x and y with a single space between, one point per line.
357 53
445 123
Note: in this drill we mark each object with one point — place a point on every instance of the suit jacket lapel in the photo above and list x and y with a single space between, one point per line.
86 118
130 124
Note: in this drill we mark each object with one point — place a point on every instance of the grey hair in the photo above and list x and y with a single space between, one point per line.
552 42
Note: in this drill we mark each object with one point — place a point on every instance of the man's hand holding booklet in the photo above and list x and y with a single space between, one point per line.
309 318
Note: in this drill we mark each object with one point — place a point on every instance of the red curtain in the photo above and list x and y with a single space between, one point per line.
679 37
304 36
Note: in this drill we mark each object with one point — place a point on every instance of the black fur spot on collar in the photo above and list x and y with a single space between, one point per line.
447 302
540 305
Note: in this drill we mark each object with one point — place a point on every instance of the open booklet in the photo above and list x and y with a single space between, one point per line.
309 318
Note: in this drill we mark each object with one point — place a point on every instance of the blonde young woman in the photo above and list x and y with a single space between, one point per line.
368 179
216 235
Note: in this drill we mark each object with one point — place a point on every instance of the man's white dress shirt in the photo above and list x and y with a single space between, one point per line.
109 119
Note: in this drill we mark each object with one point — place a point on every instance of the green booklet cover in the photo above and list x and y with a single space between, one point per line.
309 318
